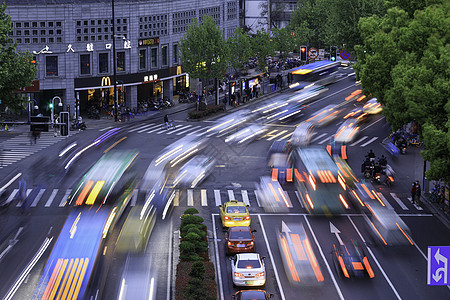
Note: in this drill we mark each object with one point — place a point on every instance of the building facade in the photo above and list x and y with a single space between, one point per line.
72 44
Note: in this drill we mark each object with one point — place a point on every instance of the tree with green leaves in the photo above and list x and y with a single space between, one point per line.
16 68
203 50
308 21
404 62
240 50
283 41
262 46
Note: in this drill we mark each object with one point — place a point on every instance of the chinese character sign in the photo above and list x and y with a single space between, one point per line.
438 258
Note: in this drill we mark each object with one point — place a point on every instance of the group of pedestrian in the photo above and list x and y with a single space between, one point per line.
416 192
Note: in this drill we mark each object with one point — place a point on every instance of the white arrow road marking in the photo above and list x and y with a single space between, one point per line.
336 231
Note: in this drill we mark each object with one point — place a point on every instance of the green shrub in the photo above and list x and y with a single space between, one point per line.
192 237
185 229
191 211
197 271
210 109
201 246
191 257
201 233
202 106
187 247
191 220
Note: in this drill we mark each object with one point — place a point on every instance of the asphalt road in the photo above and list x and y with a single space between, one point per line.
400 272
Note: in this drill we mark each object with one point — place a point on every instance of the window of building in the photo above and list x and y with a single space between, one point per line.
85 38
99 22
27 40
105 21
99 29
175 53
118 21
42 32
106 29
92 22
18 32
59 40
92 37
58 24
50 32
42 24
106 37
58 31
85 64
78 31
18 24
51 65
43 40
164 55
35 32
34 24
85 23
154 55
86 31
93 30
103 63
125 21
52 40
50 24
120 61
99 38
26 24
142 60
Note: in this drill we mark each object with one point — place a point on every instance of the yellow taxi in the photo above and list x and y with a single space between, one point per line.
234 213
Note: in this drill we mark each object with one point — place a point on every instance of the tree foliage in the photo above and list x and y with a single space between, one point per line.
240 50
283 41
262 47
203 50
330 22
16 68
405 62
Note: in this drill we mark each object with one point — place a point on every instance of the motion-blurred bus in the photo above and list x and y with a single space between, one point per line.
318 73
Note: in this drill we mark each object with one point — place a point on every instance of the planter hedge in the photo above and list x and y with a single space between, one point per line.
206 111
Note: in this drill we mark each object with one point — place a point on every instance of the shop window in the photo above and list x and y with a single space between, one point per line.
120 61
164 54
175 53
154 57
85 64
103 63
51 66
142 60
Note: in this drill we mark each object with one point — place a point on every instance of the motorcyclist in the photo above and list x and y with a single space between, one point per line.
365 164
371 155
382 161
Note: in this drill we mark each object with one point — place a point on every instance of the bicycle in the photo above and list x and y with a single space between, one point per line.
168 125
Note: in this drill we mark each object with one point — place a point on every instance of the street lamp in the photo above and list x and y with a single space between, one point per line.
53 104
29 108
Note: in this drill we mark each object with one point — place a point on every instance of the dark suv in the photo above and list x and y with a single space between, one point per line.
252 295
239 239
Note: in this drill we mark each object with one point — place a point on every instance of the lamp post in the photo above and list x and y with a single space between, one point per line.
29 108
53 104
114 63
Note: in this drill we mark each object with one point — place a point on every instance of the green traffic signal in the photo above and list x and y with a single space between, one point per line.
50 105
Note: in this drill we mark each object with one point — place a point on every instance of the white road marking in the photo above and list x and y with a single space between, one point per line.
64 199
52 196
370 141
299 199
23 200
197 130
323 141
231 195
203 197
13 194
324 259
318 137
217 197
376 261
188 129
245 197
276 135
106 128
359 141
271 259
216 248
173 130
397 199
38 197
190 197
388 205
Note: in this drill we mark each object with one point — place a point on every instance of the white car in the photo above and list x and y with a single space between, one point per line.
248 269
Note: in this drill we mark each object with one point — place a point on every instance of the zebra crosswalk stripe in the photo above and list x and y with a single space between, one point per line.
245 197
217 198
231 195
172 131
21 202
38 197
403 206
187 129
318 137
359 141
52 196
64 199
190 198
203 197
388 205
13 194
370 141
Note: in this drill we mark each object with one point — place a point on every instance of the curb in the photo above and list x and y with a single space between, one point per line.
439 214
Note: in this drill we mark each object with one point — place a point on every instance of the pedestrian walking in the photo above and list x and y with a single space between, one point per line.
418 192
413 192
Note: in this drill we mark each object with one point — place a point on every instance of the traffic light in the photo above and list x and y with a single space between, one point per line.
333 50
50 105
303 52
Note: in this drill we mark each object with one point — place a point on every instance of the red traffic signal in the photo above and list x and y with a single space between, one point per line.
303 51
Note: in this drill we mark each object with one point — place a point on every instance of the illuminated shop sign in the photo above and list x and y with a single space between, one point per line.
151 77
148 42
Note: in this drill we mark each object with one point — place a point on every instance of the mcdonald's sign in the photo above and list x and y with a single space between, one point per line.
106 81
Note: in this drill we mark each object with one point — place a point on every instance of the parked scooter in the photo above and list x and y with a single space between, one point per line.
78 125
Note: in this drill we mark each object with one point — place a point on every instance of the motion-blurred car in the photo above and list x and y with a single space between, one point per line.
252 295
233 121
234 213
239 239
358 114
302 134
347 131
246 134
288 113
351 261
299 261
248 269
272 196
324 115
372 107
194 171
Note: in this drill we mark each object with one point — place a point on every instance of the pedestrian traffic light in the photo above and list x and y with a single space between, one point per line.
333 50
303 51
50 105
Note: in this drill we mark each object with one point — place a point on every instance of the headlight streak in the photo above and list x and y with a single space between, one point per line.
166 208
109 221
198 179
165 155
67 149
79 153
219 125
184 155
